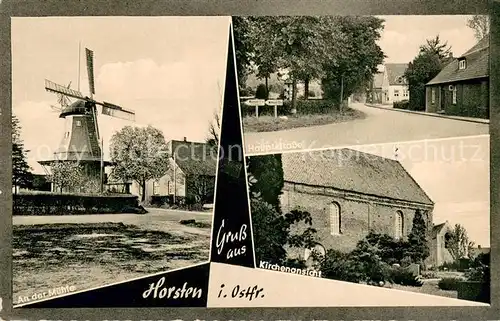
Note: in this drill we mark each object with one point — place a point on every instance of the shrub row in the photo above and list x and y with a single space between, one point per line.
66 204
303 107
159 200
404 104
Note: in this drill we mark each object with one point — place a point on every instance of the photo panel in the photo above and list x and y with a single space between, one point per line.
408 222
328 81
312 166
116 126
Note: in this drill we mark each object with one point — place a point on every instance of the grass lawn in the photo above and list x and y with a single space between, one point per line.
430 287
89 255
269 123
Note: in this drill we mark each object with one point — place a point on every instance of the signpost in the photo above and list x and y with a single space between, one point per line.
275 103
256 103
262 102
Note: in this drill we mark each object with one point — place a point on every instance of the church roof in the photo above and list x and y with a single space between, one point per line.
351 170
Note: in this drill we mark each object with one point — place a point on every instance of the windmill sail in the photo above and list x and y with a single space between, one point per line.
117 111
59 89
90 69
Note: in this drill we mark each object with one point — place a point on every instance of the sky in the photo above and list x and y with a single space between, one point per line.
169 70
403 35
455 175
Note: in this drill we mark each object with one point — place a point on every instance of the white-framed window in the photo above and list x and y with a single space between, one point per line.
78 123
335 219
405 93
399 225
433 95
462 64
454 95
396 93
156 187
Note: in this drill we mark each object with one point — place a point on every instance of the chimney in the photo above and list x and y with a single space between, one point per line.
185 139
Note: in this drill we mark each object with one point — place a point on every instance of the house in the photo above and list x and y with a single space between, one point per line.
191 173
376 92
439 253
461 87
394 84
349 193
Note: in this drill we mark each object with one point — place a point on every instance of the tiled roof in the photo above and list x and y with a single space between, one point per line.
482 44
477 65
351 170
395 73
437 228
194 158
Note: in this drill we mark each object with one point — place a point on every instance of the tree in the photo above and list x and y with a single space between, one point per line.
202 188
140 154
243 46
433 56
265 53
458 243
480 24
67 175
267 176
214 131
21 171
353 55
418 247
215 124
273 231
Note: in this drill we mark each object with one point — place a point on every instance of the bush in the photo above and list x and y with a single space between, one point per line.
429 274
402 276
479 269
261 92
449 284
449 266
316 106
338 266
404 104
62 204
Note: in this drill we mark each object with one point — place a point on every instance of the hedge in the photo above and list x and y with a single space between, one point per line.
449 283
67 204
404 104
303 107
159 200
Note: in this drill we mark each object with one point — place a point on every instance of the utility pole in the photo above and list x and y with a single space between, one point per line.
175 178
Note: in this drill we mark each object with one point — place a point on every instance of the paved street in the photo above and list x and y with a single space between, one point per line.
379 126
155 215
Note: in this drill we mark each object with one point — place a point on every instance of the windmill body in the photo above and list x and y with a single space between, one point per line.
81 140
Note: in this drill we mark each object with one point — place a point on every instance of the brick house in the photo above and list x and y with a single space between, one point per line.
439 254
394 84
193 165
461 88
349 194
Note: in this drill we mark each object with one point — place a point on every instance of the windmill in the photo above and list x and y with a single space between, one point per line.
82 141
62 100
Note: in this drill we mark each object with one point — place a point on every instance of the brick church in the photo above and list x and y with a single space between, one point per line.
350 193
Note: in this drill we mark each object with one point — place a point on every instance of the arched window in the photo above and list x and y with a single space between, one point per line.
399 225
335 219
